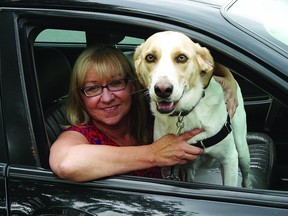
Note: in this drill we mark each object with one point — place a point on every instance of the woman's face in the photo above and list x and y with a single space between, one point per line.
109 108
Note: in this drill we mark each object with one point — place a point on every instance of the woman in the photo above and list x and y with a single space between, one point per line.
107 109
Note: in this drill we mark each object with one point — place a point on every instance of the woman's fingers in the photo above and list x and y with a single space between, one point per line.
190 134
171 150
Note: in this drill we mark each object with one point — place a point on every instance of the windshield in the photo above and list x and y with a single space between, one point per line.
266 18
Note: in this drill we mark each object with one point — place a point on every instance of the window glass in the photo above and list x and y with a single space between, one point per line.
131 41
61 36
72 36
266 22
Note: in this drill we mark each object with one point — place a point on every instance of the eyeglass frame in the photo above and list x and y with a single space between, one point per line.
82 90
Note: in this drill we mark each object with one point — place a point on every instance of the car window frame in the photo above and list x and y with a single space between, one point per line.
205 40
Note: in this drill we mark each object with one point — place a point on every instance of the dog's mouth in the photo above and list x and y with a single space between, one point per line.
166 106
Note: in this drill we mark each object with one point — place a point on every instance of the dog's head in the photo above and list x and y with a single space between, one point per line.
174 69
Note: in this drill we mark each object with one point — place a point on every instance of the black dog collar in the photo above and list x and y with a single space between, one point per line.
225 130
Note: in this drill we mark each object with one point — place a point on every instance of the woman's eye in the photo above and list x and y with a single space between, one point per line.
116 83
92 88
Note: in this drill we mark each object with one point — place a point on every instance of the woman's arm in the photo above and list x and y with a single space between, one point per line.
72 159
229 85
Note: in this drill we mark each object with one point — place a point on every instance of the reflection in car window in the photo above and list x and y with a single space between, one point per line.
269 18
131 41
72 36
61 36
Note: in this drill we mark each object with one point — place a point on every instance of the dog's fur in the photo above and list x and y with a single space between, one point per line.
176 71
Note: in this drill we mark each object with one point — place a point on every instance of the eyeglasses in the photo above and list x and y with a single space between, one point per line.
113 86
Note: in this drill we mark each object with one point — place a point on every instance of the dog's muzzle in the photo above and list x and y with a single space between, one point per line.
163 89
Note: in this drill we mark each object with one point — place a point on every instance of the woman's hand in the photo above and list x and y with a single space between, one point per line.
172 150
225 78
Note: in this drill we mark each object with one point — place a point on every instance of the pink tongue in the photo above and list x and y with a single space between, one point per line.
165 105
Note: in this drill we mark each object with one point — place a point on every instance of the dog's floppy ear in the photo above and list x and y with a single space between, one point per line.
140 66
206 63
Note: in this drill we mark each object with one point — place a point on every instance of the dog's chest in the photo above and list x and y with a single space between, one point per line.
165 125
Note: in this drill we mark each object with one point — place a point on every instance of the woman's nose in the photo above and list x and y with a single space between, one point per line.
107 95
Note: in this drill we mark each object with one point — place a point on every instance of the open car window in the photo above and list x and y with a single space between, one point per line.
257 102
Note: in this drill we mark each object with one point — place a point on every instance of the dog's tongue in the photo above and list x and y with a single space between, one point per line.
165 107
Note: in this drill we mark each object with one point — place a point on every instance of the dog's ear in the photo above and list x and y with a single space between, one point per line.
139 67
206 63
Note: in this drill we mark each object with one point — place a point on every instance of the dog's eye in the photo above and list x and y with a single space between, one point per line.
150 58
181 58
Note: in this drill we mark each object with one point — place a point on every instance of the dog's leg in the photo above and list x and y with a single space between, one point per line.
230 169
240 136
244 163
244 159
226 153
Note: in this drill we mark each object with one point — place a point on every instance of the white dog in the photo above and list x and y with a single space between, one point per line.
178 75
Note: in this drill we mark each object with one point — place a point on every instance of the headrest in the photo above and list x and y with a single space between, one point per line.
53 72
93 37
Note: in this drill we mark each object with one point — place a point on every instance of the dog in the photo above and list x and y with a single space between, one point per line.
178 75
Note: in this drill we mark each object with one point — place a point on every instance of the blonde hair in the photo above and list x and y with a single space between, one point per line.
106 61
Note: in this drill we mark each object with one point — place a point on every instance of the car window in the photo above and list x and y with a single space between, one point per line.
255 99
61 36
266 22
73 36
131 41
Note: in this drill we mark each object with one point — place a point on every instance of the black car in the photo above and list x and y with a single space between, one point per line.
39 42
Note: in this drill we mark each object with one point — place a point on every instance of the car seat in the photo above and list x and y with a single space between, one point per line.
53 72
261 148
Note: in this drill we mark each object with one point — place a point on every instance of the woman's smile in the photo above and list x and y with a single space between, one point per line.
110 108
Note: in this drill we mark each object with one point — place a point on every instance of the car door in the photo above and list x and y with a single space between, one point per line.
32 188
3 167
3 203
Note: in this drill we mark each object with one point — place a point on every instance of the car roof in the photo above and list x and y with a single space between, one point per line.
181 14
106 4
73 2
195 11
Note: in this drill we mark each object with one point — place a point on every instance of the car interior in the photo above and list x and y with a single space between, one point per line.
54 61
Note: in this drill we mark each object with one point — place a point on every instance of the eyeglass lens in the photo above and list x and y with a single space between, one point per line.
113 86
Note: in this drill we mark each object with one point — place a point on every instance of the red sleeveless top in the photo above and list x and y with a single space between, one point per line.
96 136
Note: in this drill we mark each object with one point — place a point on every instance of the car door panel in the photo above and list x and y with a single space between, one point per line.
3 203
39 192
32 190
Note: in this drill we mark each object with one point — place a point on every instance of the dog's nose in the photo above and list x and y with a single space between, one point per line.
163 90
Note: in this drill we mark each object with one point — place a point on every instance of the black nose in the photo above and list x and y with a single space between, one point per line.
163 90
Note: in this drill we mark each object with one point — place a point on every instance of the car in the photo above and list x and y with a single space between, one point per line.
40 41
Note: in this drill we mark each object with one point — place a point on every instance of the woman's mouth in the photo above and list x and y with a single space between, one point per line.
108 109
